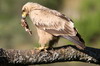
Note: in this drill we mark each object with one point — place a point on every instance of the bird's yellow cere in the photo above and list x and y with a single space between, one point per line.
24 14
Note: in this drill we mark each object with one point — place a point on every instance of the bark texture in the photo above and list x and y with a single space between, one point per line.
58 54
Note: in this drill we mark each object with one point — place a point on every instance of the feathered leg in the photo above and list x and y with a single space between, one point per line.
44 38
53 41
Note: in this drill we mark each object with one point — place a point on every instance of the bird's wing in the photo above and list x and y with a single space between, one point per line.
54 23
57 24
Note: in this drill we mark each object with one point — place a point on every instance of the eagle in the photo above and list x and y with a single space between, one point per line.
51 25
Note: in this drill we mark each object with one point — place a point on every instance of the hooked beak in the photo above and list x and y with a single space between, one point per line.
24 15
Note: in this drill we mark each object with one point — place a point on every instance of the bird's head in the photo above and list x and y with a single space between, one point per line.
28 7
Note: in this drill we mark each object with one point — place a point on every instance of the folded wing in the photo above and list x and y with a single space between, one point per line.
57 24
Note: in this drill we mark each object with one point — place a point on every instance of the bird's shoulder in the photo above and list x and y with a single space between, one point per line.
56 13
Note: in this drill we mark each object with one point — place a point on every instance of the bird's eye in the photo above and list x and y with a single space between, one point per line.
23 10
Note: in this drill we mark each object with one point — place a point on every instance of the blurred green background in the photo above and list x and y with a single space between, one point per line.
84 13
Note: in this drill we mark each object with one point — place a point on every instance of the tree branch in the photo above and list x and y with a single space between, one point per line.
59 54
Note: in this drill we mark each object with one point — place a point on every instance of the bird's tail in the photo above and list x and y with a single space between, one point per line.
77 40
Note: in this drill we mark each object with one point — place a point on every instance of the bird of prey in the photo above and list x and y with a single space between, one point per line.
51 25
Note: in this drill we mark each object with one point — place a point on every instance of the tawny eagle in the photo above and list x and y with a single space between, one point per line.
51 25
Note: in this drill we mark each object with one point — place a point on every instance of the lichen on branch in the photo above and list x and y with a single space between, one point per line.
58 54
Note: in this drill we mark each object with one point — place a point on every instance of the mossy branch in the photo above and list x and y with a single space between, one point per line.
58 54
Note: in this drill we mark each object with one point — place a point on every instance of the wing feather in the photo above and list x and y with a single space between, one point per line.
53 22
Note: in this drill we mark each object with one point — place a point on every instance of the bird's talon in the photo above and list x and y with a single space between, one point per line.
42 48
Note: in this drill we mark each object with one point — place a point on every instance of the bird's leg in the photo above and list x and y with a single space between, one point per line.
53 41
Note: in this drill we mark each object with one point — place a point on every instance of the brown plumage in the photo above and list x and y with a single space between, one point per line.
51 25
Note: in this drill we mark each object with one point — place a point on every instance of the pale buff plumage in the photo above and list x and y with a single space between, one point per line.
51 25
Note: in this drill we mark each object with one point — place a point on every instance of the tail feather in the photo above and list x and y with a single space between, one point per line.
77 40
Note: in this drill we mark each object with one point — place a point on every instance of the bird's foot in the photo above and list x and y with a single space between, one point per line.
42 48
